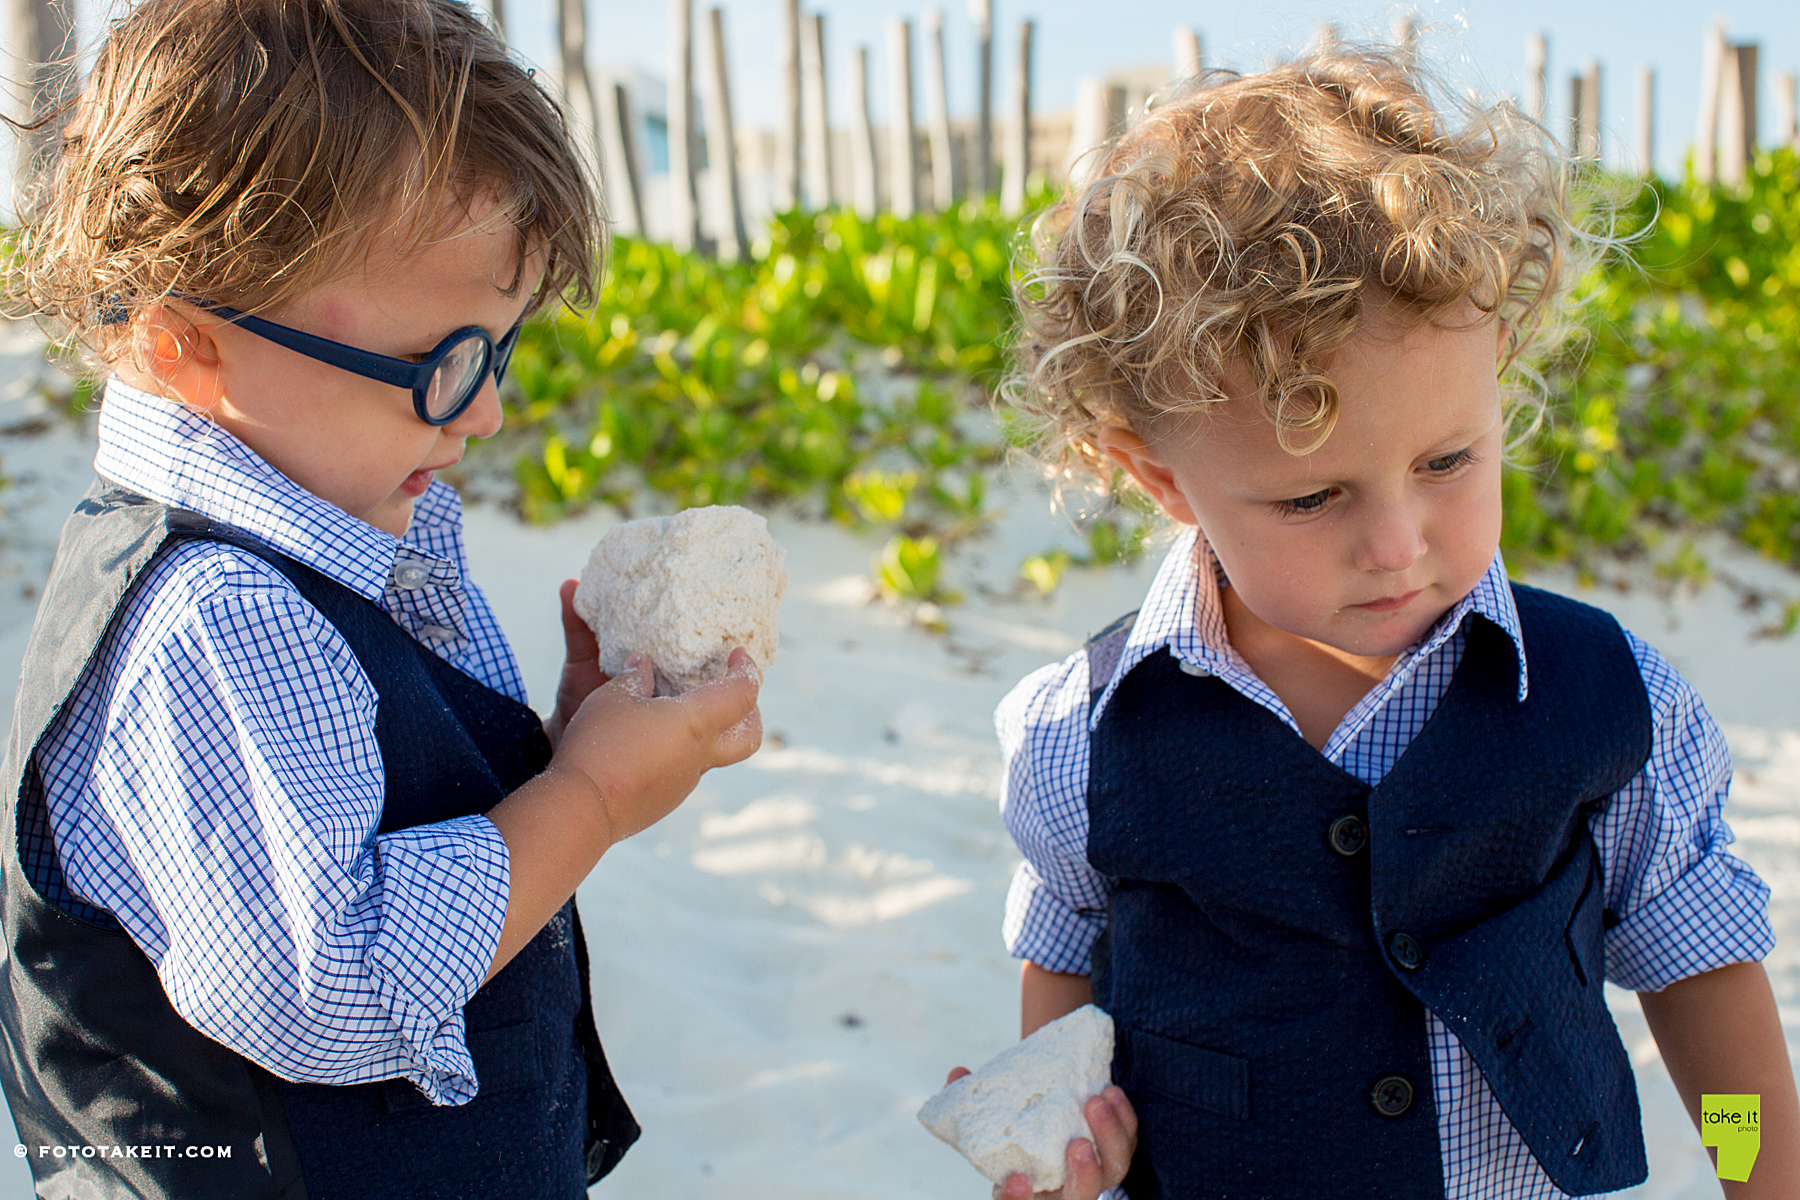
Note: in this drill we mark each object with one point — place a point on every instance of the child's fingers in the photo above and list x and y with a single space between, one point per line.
1082 1172
1016 1187
715 708
578 638
1114 1125
638 679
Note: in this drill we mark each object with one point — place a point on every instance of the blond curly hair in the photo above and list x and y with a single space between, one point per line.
243 151
1243 225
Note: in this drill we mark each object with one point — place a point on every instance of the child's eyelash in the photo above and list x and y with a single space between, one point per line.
1301 505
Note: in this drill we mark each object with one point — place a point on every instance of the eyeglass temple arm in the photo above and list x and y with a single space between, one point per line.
397 372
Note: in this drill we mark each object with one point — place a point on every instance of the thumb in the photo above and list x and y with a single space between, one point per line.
637 679
723 703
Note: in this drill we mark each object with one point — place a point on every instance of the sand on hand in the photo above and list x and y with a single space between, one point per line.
684 590
1020 1111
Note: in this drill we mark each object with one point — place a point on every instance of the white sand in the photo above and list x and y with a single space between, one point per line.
786 967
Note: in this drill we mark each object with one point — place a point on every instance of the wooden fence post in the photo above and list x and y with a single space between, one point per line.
1099 114
1646 121
903 141
937 114
1712 65
1406 36
1189 59
1018 130
1737 113
1787 112
981 176
627 202
684 199
1584 113
864 183
818 112
498 10
721 145
578 92
1537 75
41 34
788 134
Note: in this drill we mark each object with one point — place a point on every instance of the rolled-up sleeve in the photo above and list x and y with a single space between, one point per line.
1056 906
1684 904
240 772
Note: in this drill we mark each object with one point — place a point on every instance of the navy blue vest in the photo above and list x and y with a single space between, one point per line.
96 1056
1279 928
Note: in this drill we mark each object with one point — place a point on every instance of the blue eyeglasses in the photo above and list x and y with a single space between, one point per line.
444 383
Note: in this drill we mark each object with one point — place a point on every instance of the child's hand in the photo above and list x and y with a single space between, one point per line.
643 754
1113 1123
581 671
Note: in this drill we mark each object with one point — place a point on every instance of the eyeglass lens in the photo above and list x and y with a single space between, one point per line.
459 374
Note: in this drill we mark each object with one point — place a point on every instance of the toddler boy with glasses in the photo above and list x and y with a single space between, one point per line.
288 861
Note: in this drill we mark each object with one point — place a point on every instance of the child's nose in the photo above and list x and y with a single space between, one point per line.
1393 539
483 417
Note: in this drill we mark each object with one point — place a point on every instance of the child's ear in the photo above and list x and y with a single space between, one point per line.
1142 463
179 356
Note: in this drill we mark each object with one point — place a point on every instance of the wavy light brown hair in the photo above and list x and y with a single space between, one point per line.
1240 229
244 151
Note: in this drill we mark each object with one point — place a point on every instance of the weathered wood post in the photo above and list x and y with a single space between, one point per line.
1737 113
1584 113
1712 64
818 112
721 145
40 35
684 198
864 182
1646 121
1189 60
1099 114
578 92
497 9
981 175
1405 33
1787 111
626 204
1018 130
1537 75
788 131
1590 110
903 140
937 115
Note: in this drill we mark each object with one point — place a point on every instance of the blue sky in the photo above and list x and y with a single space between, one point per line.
1475 42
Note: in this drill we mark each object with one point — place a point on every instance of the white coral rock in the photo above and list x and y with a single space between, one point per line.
1021 1110
684 590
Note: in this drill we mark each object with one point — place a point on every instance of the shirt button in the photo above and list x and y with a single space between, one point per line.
1406 952
1188 668
437 633
1348 835
411 576
1391 1095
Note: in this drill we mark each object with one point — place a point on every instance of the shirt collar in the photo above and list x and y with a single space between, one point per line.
182 458
1183 612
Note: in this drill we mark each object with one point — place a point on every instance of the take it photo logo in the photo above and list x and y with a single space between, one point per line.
1734 1125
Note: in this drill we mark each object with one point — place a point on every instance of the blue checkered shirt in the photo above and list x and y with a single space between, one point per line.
214 783
1685 904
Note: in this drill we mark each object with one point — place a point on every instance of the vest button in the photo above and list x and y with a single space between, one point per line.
1391 1095
1406 952
1348 835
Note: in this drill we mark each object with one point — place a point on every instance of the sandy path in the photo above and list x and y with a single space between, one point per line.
786 966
